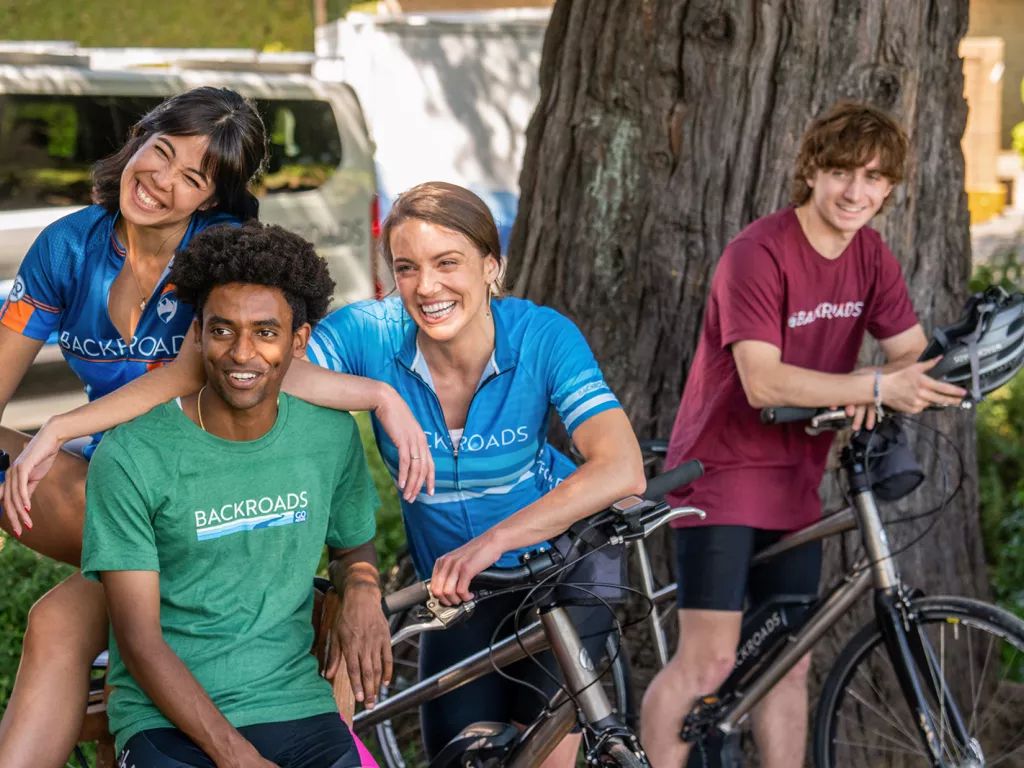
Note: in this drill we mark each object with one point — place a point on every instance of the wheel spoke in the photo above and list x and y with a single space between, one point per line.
894 721
908 747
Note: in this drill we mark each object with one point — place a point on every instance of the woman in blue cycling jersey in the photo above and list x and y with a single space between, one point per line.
481 374
99 279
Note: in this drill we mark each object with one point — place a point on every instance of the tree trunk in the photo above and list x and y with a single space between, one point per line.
666 126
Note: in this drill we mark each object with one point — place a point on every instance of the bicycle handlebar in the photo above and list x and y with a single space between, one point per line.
674 479
787 414
538 564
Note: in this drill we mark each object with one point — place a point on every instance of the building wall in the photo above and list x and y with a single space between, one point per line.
1005 19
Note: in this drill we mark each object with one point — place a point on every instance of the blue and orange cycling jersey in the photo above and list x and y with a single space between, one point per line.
63 285
500 461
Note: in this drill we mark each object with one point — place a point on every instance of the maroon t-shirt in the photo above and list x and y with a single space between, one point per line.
772 286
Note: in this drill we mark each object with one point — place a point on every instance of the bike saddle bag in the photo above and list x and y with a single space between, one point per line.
476 744
892 467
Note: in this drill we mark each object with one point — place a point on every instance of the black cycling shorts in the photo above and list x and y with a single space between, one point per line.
713 568
492 697
321 741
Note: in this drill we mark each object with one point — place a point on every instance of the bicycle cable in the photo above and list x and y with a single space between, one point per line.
934 512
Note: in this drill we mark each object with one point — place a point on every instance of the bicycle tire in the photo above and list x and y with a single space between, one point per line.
892 728
617 753
394 737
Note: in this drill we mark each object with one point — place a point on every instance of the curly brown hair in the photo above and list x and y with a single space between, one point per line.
257 254
849 136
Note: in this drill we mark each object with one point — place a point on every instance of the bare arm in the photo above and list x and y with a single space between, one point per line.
362 633
16 355
344 392
133 599
613 470
186 375
768 381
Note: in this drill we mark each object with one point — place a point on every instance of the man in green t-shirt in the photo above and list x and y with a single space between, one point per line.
206 519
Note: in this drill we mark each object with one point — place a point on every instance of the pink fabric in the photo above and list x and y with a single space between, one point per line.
365 758
772 286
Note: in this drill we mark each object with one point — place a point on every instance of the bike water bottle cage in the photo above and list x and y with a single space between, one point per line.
984 349
892 467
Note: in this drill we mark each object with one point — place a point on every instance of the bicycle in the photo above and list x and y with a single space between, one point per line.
905 652
607 738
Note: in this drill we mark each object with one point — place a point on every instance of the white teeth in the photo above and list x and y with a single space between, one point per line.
438 309
146 198
242 376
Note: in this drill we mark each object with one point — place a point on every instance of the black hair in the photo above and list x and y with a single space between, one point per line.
256 254
236 153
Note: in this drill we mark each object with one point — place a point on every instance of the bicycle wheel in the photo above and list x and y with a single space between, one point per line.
399 739
976 663
617 753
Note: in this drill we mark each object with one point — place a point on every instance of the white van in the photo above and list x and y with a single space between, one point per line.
63 107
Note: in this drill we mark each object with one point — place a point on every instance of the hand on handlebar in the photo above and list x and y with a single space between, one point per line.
454 571
911 389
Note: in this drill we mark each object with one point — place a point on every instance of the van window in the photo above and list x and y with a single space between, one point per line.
49 143
305 148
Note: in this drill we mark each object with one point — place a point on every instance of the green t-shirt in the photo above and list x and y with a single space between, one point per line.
236 530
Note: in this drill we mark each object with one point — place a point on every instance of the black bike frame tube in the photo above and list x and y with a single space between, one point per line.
506 652
890 617
824 619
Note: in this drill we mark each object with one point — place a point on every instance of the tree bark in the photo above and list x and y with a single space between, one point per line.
666 126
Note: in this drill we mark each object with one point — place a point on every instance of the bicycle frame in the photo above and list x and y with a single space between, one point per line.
553 630
910 651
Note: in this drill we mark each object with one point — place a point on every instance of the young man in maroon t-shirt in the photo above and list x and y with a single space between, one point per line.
791 299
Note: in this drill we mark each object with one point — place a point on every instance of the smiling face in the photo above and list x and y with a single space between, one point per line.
444 280
163 183
247 342
846 200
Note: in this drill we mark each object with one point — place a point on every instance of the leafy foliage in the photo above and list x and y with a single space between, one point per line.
277 25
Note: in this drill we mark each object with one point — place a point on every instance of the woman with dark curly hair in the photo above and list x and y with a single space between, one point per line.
99 279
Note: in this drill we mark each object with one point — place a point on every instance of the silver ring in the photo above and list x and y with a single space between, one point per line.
415 458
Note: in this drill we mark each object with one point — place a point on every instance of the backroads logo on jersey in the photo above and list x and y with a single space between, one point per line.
148 347
826 311
167 308
251 515
18 291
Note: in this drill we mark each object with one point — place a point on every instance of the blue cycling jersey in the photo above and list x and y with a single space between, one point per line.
502 461
63 285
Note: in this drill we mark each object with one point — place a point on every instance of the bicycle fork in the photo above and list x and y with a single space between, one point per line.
908 648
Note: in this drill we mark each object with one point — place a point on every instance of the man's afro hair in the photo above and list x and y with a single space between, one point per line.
257 254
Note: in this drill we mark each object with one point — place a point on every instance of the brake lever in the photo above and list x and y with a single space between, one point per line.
443 616
821 423
672 514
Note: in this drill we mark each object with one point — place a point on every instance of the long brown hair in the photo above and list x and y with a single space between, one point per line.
847 137
452 207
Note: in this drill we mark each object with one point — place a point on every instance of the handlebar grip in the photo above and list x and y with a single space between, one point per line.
405 598
682 475
787 414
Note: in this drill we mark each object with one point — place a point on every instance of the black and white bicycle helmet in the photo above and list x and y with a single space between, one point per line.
984 349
